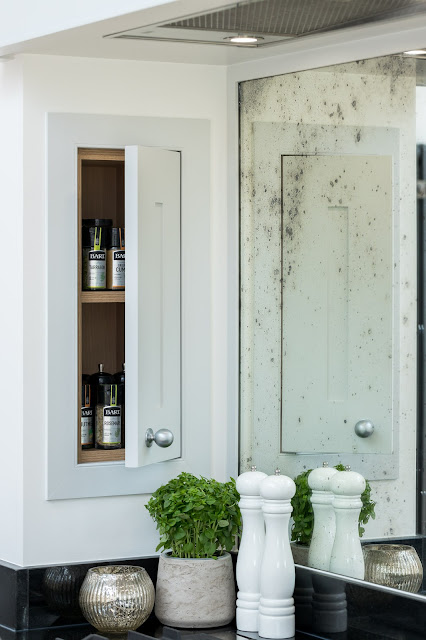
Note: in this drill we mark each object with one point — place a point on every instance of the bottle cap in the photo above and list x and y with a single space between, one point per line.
100 377
120 377
92 235
110 394
116 238
97 222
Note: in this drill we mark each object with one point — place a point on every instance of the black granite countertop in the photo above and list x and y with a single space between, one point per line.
371 614
362 628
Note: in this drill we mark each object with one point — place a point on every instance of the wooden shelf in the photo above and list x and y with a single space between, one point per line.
102 296
100 455
101 155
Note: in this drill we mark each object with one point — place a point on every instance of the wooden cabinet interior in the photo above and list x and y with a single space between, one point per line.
100 313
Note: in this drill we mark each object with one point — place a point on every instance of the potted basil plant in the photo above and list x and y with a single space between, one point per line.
198 520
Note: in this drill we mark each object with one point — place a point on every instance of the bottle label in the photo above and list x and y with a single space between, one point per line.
96 270
118 268
86 425
112 425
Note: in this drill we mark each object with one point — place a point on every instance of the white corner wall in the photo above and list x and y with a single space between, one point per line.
11 316
114 527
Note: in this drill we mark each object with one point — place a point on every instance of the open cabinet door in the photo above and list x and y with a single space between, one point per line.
153 303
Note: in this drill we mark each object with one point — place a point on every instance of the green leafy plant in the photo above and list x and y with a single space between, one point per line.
303 514
196 517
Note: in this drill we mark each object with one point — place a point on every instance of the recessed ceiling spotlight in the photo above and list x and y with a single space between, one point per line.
415 52
244 39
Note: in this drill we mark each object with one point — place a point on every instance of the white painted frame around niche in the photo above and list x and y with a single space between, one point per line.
65 133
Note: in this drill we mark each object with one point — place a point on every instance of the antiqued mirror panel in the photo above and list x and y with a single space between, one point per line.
329 278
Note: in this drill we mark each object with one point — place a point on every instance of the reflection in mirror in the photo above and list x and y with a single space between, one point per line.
328 279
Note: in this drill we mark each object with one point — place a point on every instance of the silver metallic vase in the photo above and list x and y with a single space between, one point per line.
393 565
61 586
117 598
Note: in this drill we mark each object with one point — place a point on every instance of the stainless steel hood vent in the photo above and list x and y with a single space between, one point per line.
274 21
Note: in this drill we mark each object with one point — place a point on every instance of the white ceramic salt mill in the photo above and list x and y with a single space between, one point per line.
324 519
346 556
277 574
251 550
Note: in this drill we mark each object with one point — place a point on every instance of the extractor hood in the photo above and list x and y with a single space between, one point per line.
273 21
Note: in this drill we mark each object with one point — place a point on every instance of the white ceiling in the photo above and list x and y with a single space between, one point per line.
88 40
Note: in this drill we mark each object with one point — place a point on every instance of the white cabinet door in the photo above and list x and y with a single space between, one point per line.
153 363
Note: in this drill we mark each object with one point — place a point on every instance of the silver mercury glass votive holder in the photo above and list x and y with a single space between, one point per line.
393 565
117 598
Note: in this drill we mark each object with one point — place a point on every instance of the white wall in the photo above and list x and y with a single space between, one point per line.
101 528
11 319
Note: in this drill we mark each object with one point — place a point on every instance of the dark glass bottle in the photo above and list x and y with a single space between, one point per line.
87 415
94 258
100 377
116 259
108 416
119 378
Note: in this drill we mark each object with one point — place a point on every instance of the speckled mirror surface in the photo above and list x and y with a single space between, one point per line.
329 278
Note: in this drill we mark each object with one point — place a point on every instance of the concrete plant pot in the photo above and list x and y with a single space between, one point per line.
300 553
195 592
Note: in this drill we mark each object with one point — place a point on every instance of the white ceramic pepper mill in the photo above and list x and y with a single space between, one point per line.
251 550
324 519
277 574
346 556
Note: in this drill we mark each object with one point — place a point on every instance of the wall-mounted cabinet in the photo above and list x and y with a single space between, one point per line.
156 325
152 177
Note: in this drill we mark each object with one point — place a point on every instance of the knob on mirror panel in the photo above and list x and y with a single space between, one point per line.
364 428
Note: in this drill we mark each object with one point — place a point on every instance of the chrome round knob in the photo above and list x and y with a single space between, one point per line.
364 428
162 437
